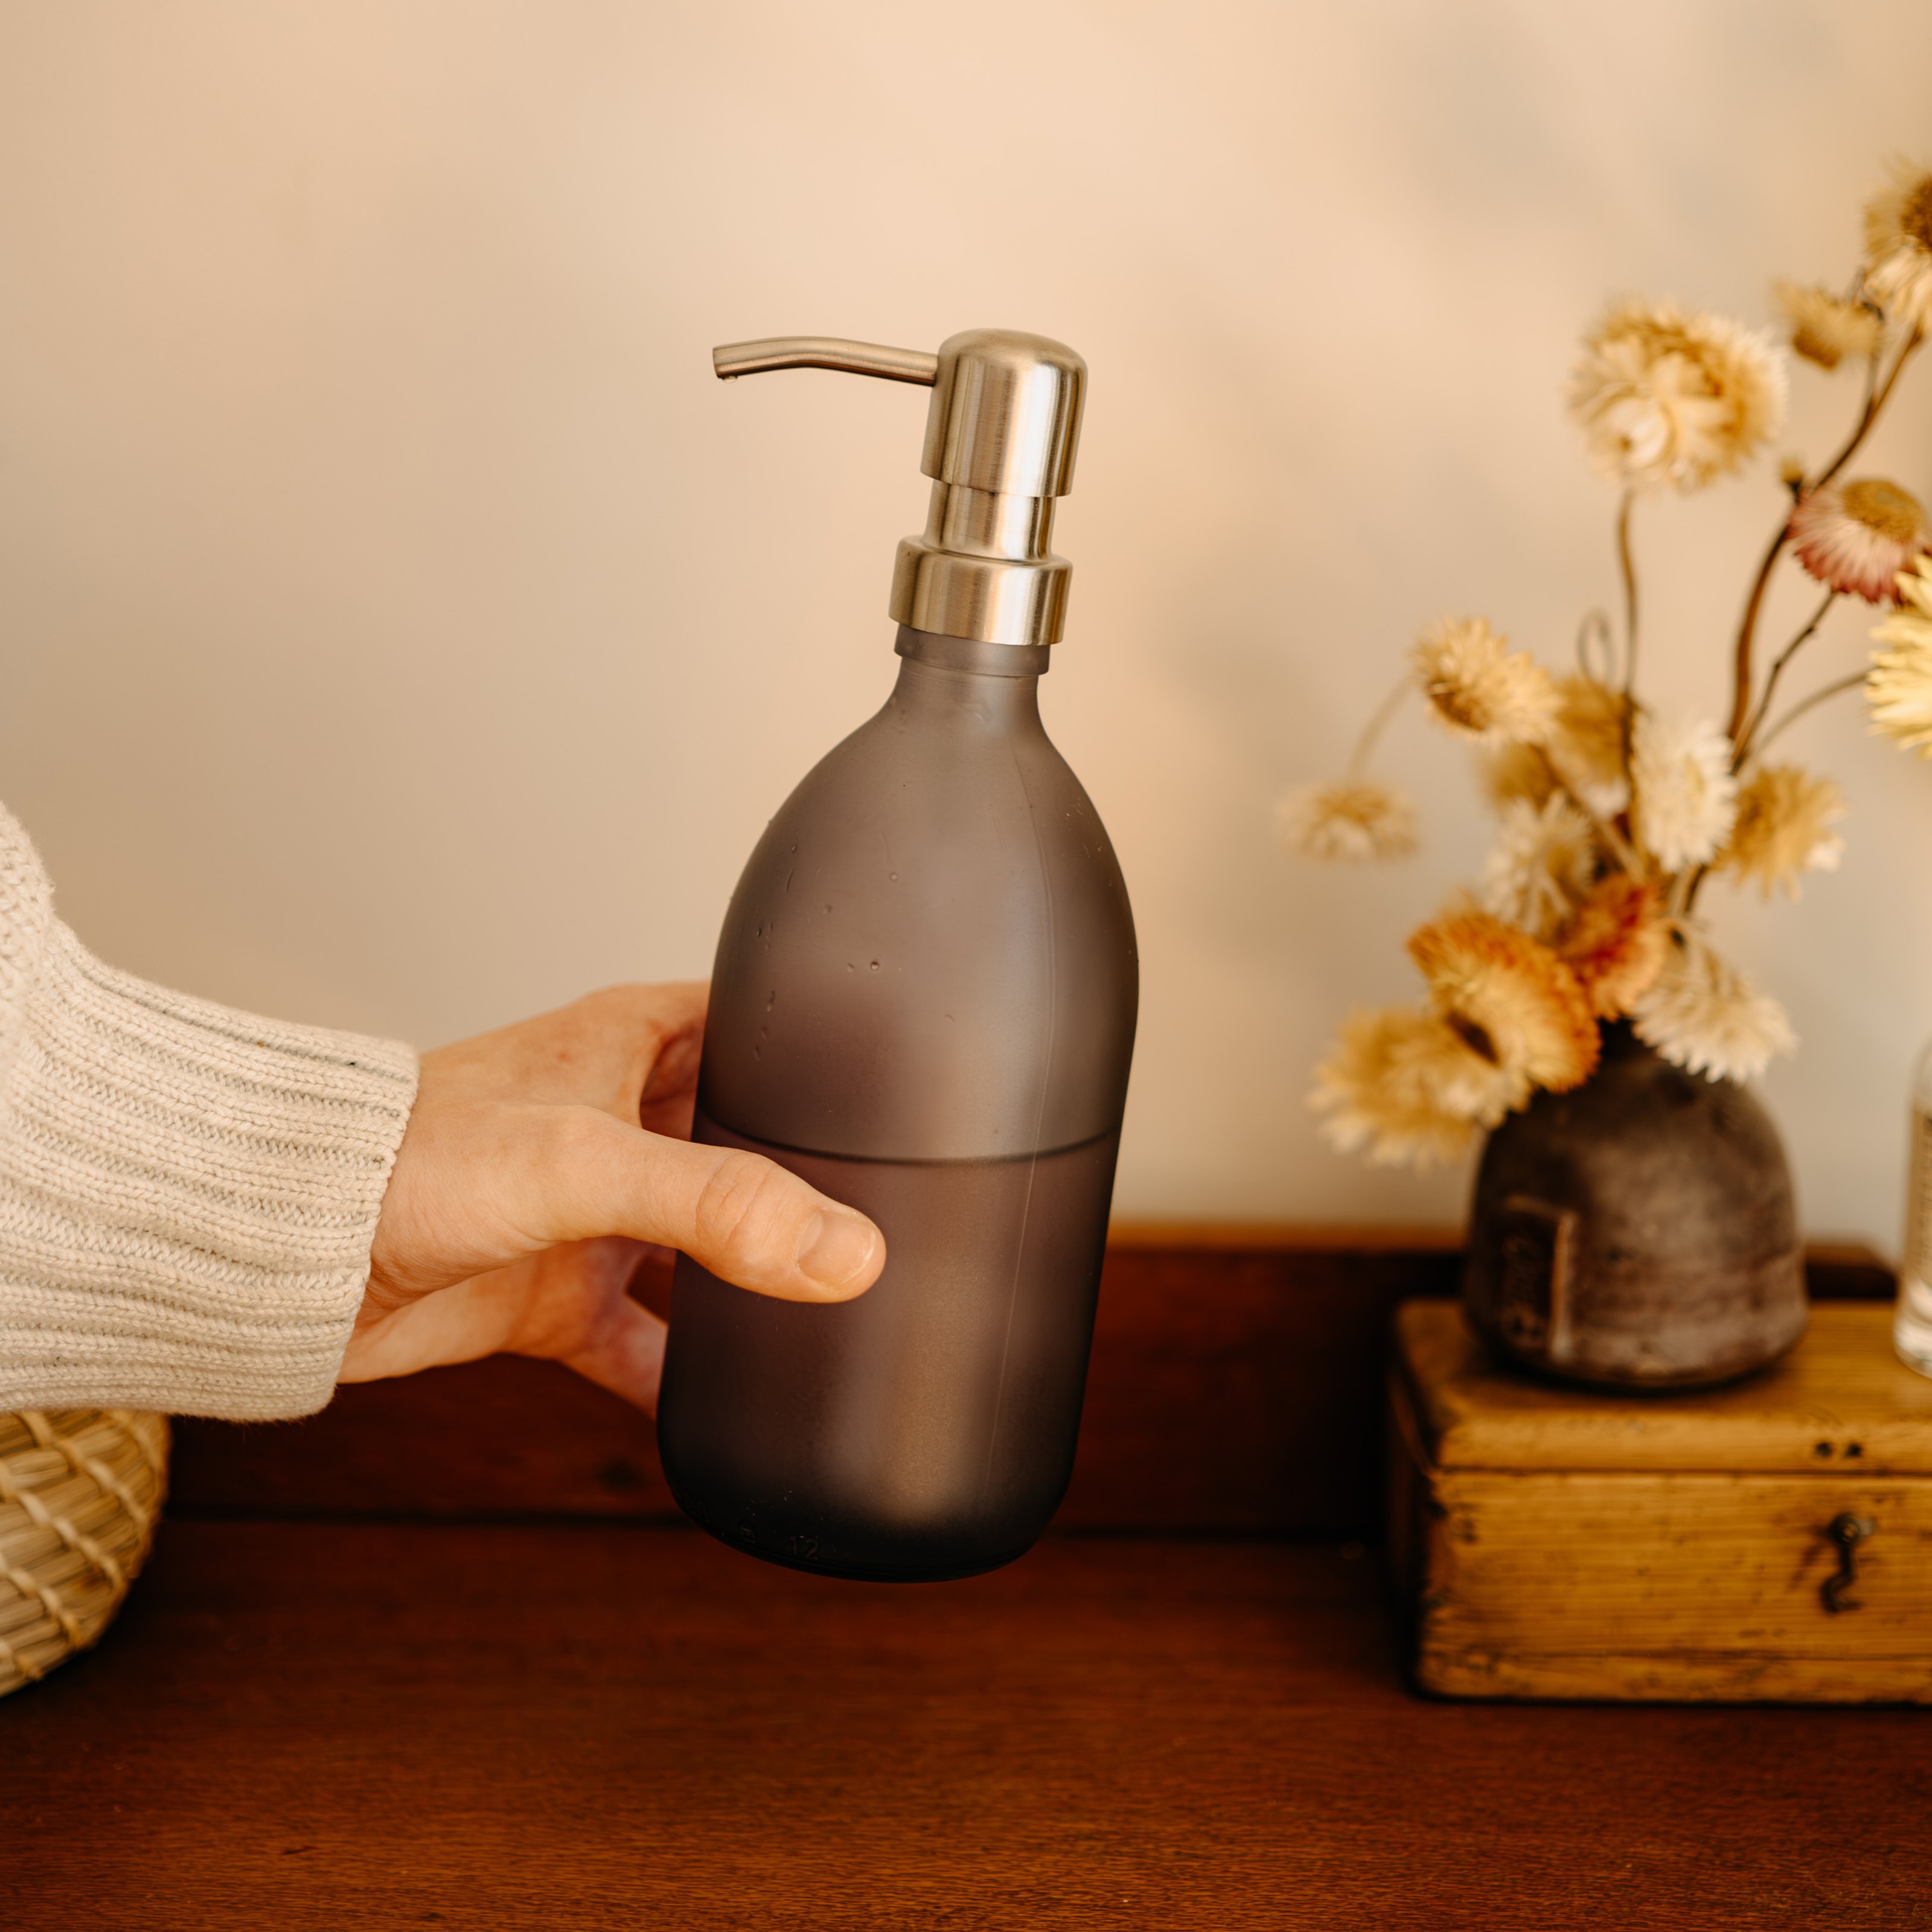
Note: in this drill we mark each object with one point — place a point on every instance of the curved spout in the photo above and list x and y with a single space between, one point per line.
825 352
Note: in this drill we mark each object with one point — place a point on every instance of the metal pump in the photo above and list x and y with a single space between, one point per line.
1000 437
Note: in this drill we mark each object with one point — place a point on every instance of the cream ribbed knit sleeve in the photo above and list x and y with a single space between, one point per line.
188 1193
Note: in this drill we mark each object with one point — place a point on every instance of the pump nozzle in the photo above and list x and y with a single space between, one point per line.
825 352
1000 436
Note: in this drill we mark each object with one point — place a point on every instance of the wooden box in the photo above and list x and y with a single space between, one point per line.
1772 1540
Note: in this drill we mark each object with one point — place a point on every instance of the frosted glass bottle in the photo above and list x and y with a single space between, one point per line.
1911 1325
924 1003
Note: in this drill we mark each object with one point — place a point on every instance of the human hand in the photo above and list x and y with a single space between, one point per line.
540 1164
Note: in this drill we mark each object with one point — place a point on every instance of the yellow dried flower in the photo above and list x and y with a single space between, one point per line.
1477 686
1509 997
1354 820
1825 327
1782 828
1514 772
1587 742
1584 744
1618 942
1898 687
1898 247
1404 1085
1665 395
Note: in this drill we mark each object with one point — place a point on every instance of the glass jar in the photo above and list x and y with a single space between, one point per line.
1911 1326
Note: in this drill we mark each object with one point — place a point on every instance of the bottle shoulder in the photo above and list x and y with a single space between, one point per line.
930 954
929 831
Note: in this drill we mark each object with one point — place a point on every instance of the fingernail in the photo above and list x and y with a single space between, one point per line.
835 1247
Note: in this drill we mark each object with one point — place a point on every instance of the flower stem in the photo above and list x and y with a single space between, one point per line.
1596 649
1784 657
1618 847
1628 566
1877 394
1741 668
1373 730
1804 704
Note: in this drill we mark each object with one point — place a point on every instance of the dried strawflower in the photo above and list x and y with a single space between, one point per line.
1404 1085
1783 827
1544 858
1515 772
1856 537
1509 997
1586 743
1898 687
1898 247
1617 943
1704 1015
1355 820
1825 327
1686 796
1477 686
1665 396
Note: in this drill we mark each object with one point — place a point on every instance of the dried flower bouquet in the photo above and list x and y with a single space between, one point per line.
1612 816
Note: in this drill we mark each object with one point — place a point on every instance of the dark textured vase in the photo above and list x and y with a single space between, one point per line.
1639 1232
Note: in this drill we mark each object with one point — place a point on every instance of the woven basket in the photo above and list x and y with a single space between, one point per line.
80 1491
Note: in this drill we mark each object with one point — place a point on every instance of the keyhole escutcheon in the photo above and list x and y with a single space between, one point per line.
1847 1532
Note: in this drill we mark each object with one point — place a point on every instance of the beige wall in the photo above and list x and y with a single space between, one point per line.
400 628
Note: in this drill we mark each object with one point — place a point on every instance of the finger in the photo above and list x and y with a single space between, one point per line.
742 1216
670 1093
562 1303
678 1005
462 1323
603 1051
562 1295
626 1356
667 1023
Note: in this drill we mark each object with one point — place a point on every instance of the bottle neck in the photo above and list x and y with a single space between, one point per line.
1021 664
949 683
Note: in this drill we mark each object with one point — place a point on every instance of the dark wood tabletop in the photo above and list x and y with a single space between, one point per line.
305 1720
312 1725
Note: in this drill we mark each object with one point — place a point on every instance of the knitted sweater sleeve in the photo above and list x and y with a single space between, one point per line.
188 1193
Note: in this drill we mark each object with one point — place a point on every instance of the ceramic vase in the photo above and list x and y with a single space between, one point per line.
1639 1231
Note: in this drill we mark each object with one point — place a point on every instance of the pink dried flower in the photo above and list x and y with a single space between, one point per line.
1856 537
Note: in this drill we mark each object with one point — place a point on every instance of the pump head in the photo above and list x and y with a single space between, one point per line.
1000 436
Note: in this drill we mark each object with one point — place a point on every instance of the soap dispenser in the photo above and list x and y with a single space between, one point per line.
923 1003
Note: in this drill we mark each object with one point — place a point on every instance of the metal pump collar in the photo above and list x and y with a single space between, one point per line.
1000 438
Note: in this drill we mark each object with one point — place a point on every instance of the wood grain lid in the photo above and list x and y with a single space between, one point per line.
1841 1403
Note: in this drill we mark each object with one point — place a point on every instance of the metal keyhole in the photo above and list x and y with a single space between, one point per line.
1847 1531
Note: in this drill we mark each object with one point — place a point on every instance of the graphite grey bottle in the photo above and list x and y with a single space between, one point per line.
923 1002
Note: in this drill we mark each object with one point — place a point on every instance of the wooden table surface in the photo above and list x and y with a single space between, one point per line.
299 1725
527 1697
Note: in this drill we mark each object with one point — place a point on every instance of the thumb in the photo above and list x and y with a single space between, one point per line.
743 1217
